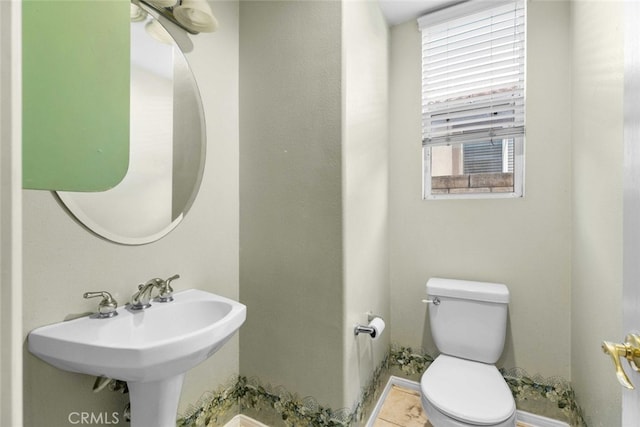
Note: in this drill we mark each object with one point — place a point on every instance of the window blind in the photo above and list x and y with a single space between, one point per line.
473 69
488 157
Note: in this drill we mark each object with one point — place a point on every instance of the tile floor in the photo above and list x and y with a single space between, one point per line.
403 408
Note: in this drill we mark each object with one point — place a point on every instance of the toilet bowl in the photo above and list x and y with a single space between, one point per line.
463 387
462 393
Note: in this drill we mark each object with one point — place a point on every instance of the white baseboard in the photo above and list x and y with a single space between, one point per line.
534 420
393 380
531 420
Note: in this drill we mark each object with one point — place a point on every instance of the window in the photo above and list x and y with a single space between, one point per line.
473 92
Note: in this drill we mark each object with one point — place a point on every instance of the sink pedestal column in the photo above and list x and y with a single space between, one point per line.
155 403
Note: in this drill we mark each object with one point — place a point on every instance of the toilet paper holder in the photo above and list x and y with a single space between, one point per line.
369 329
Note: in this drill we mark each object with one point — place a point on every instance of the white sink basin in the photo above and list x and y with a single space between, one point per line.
151 349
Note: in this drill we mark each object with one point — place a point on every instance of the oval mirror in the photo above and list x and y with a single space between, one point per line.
167 145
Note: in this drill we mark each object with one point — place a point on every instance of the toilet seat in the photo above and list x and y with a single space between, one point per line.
473 393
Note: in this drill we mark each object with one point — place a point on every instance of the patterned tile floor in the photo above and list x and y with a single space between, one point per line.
402 408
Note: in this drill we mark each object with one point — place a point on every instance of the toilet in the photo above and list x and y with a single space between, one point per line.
463 387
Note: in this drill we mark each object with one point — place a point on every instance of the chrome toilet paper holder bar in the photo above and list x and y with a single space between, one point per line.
362 329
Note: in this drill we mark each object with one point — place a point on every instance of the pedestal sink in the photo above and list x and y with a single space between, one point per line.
150 349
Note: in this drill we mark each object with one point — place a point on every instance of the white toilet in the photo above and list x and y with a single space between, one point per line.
462 387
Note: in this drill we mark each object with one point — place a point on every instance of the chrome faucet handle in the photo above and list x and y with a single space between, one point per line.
107 306
166 291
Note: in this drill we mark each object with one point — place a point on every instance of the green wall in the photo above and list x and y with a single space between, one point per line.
75 94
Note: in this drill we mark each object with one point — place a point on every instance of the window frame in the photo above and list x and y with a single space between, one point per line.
446 15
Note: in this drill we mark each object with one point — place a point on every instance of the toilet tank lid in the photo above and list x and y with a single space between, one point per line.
466 289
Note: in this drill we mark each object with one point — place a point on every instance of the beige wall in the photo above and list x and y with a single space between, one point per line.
597 204
313 191
524 243
290 196
62 260
364 188
315 203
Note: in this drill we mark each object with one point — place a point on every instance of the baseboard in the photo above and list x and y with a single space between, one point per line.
531 420
244 421
393 380
534 420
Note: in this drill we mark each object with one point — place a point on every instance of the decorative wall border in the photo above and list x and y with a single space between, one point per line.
214 408
272 405
276 406
550 397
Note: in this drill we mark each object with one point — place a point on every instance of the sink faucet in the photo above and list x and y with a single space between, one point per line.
142 299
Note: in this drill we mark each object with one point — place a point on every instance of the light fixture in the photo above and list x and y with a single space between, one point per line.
193 16
158 32
162 3
137 14
196 15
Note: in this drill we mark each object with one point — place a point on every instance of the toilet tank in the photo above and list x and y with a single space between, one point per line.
470 321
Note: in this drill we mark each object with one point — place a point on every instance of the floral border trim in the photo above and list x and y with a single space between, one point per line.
290 408
214 408
370 394
552 397
410 362
277 405
280 405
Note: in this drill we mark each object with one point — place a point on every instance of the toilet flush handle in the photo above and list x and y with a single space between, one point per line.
630 350
434 301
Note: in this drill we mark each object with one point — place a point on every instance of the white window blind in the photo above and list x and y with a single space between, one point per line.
473 69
